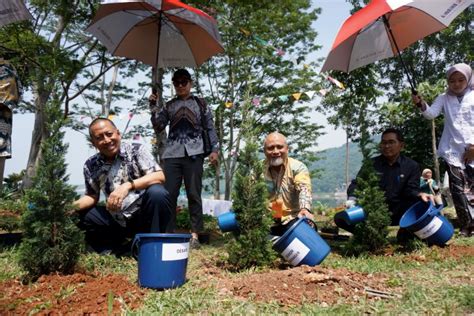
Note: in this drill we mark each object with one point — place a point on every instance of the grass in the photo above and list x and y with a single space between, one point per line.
430 282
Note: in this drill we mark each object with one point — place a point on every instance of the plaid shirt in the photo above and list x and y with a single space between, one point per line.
132 162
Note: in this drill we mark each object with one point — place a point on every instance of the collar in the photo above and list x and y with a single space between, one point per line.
267 165
397 161
121 154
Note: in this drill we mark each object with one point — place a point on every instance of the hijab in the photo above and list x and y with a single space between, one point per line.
466 71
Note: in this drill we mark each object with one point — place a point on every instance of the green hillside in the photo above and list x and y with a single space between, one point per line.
330 168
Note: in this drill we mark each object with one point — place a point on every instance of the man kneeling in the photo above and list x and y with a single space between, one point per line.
136 201
288 182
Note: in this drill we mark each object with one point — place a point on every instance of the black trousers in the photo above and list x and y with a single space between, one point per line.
103 232
190 169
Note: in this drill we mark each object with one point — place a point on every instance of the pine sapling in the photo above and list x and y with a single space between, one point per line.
251 247
51 240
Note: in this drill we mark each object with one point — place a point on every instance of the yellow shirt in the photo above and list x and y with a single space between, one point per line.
290 190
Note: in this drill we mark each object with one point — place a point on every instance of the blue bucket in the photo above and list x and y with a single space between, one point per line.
351 216
425 221
162 259
227 222
301 244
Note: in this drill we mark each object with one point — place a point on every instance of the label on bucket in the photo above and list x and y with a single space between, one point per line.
172 252
295 252
431 228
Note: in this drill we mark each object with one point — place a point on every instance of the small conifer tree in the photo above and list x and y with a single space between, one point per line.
51 240
371 234
251 247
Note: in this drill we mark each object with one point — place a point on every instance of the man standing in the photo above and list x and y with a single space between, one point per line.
136 201
187 117
288 182
399 179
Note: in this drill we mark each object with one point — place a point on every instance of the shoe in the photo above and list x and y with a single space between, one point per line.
194 243
465 232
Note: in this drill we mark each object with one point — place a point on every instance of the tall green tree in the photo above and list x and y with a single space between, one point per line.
267 44
55 58
51 240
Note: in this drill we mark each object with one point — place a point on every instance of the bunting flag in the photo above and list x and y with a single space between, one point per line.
283 98
130 115
228 105
310 94
111 116
244 31
323 92
269 100
336 82
256 101
296 96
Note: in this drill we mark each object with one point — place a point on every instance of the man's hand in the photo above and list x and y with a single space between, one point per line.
304 212
152 99
351 202
214 158
114 202
468 156
426 197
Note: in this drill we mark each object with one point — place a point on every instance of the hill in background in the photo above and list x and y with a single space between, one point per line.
330 168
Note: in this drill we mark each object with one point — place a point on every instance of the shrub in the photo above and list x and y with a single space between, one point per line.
251 247
51 240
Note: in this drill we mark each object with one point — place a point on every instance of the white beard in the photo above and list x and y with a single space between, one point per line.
276 162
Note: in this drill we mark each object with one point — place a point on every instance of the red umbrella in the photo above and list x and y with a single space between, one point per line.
12 11
161 33
385 27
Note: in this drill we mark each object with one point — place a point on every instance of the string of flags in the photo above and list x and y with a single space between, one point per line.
256 101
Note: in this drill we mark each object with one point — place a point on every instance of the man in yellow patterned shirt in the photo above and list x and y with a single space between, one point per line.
288 182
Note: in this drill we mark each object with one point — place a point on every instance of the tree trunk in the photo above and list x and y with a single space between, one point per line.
217 177
435 155
347 162
38 136
157 88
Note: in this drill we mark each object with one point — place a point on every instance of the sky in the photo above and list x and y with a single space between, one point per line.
333 14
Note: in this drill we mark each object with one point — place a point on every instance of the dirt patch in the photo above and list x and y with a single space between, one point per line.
6 213
307 284
77 294
443 253
456 251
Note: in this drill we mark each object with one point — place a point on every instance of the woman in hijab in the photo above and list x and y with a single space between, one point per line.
456 146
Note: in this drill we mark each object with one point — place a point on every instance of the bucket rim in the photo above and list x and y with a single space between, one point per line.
288 232
162 235
421 218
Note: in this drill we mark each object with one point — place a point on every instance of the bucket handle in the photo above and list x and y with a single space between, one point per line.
435 210
135 245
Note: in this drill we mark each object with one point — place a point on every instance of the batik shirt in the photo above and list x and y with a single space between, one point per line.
132 162
185 127
290 190
9 97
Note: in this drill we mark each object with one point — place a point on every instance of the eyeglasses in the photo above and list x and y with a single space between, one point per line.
178 83
388 143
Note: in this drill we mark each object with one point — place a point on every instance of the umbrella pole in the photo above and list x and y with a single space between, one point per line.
410 80
154 85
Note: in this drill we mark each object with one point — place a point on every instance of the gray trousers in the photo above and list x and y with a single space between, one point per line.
190 169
